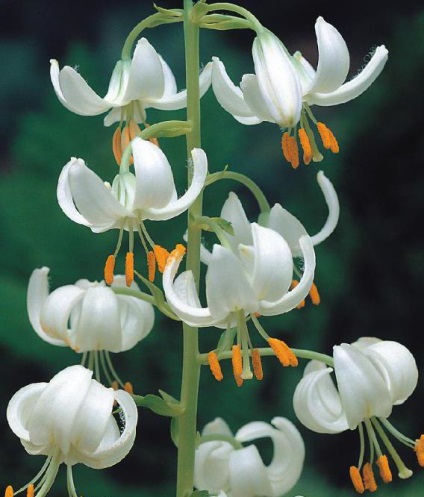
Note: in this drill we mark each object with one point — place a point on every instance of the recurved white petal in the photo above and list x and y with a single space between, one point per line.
397 366
146 78
333 60
273 264
182 297
230 96
248 476
80 98
211 466
254 99
227 287
357 85
113 450
333 205
293 298
37 293
362 388
178 205
278 82
20 408
233 211
316 401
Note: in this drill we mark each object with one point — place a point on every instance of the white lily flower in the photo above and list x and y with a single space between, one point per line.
88 317
249 280
372 376
223 464
140 83
284 87
149 193
70 421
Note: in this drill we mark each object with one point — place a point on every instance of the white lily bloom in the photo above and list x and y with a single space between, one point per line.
140 83
249 280
70 421
88 317
223 464
372 376
149 193
284 87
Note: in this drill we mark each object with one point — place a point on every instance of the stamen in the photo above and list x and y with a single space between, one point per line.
283 352
356 479
134 129
368 476
129 268
125 141
9 491
161 255
290 150
328 139
151 265
109 269
294 285
215 366
314 294
257 364
178 251
419 450
116 145
237 363
306 146
30 490
383 466
114 385
128 387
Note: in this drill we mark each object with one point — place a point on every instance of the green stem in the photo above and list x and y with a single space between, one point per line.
244 180
187 422
255 24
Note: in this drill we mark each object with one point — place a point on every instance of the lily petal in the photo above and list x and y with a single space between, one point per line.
316 401
233 211
293 298
37 293
254 98
333 61
332 200
230 96
176 207
363 390
248 477
211 468
353 88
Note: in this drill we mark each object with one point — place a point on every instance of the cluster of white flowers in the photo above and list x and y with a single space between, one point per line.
262 268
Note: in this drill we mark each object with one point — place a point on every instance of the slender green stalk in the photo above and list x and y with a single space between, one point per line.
187 422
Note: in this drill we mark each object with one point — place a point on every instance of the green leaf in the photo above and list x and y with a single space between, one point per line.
159 405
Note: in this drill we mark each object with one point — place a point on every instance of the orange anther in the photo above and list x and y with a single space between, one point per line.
178 251
237 363
215 366
134 129
419 450
283 352
306 146
294 284
257 364
30 490
129 268
328 139
314 294
114 385
290 149
116 145
383 466
9 491
128 387
161 255
368 477
109 269
151 265
356 478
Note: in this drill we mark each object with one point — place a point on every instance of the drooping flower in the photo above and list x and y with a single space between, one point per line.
372 376
224 464
242 283
284 87
90 318
136 84
70 420
148 193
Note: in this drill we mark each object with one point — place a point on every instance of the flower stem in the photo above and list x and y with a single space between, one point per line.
191 369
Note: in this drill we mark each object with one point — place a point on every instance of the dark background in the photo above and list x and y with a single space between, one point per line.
369 273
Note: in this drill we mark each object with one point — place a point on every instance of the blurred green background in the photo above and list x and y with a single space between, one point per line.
369 273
